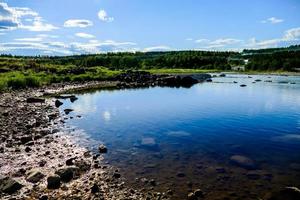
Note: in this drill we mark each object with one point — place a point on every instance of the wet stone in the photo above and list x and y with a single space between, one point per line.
95 189
34 176
66 174
116 175
53 182
102 149
58 103
9 185
68 110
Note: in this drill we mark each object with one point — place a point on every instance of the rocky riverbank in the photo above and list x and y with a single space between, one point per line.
39 161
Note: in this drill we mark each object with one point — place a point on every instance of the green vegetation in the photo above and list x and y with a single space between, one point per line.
181 71
281 59
18 72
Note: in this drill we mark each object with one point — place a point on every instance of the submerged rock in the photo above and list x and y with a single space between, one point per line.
243 161
9 185
148 143
288 193
253 175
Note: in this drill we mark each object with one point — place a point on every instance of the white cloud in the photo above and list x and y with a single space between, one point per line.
289 36
254 43
85 35
11 18
292 34
272 20
218 44
158 48
224 41
189 39
34 39
202 41
38 25
102 15
81 23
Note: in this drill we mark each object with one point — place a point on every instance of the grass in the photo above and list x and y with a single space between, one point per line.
29 78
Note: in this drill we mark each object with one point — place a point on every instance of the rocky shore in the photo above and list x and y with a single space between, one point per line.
39 161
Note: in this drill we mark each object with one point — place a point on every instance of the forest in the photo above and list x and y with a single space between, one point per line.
23 71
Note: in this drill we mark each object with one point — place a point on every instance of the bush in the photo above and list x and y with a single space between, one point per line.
16 83
31 81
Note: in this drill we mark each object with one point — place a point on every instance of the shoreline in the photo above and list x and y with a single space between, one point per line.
34 148
35 130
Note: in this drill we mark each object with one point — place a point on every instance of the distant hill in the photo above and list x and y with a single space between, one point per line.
272 50
272 59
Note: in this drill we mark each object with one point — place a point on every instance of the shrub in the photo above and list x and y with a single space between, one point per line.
31 81
16 83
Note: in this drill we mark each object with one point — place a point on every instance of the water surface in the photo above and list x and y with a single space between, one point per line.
184 138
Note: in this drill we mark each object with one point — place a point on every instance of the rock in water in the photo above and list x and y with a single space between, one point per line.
58 103
73 98
288 193
34 176
188 81
8 185
102 148
68 110
243 85
53 182
243 161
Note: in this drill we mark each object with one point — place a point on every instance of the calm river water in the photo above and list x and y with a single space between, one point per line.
188 138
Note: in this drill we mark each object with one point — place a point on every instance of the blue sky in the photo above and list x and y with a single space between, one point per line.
66 27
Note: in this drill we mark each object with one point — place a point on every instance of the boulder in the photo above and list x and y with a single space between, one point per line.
9 185
188 81
73 98
243 161
83 166
102 148
25 139
66 174
53 182
58 103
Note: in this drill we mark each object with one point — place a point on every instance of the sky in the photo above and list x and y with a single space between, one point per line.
68 27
